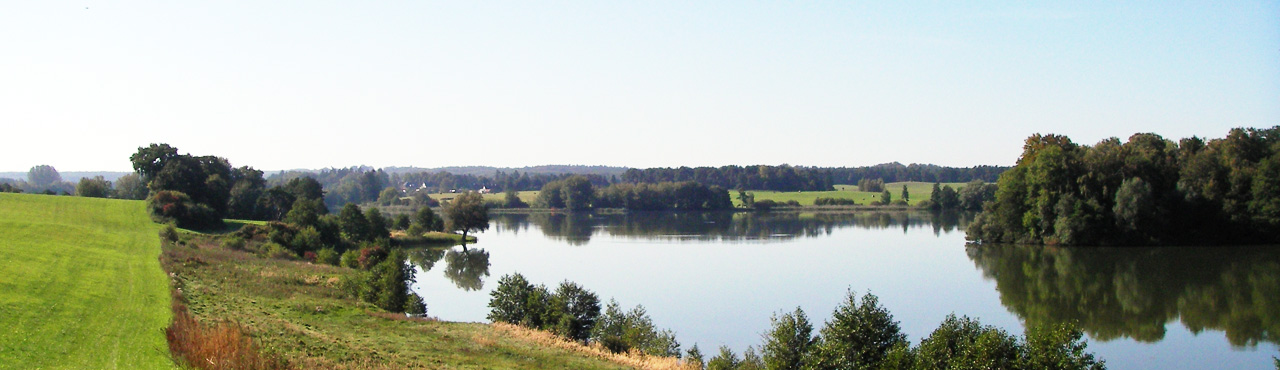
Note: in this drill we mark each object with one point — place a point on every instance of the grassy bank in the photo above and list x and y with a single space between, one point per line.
82 287
919 191
298 311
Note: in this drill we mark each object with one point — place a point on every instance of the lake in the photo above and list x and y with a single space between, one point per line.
716 278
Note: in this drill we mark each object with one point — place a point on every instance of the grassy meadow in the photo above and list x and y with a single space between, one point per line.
297 310
80 285
919 191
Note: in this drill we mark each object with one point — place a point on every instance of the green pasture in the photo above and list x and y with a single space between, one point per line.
918 191
80 285
527 196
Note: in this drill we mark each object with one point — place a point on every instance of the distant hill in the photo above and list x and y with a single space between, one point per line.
69 176
490 171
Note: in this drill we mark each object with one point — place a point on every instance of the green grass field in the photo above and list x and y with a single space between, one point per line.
526 196
80 285
918 191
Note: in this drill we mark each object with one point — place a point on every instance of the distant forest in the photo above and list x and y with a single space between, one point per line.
364 184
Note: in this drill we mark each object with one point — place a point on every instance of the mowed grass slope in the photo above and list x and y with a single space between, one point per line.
80 285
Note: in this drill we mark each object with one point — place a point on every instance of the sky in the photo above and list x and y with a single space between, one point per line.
314 84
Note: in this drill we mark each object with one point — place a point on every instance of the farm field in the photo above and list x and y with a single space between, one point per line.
919 191
80 284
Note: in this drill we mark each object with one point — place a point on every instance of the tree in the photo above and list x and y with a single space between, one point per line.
885 197
247 185
788 341
694 356
467 213
725 360
579 310
859 335
377 224
512 200
906 196
1057 347
427 220
150 160
43 176
353 223
131 187
97 187
965 343
507 301
578 193
401 222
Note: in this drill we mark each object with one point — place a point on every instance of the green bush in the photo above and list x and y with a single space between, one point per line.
169 233
234 242
328 256
350 259
275 250
415 306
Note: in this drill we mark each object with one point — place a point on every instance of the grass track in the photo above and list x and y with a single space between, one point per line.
80 285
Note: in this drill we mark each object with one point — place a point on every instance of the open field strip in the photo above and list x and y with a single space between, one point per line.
80 284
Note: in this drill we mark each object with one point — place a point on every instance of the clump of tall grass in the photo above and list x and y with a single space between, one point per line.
221 346
633 358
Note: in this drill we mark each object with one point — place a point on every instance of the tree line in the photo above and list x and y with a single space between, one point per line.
366 184
578 193
861 334
1148 190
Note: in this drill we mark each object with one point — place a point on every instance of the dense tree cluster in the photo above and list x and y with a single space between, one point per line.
577 193
779 178
40 179
897 172
871 185
1148 190
862 334
574 312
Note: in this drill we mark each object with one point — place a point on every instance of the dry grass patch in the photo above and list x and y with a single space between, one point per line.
633 359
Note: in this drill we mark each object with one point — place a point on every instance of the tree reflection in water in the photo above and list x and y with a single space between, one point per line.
466 268
578 228
1133 292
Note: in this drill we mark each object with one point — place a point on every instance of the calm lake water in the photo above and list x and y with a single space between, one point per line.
716 278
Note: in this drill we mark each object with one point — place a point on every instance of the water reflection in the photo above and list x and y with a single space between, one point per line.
1133 292
465 267
578 228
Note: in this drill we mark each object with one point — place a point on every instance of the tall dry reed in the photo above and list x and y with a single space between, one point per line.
634 358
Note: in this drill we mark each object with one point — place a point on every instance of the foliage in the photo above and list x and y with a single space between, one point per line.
961 343
328 256
1147 190
386 284
694 356
871 185
130 186
512 200
96 187
788 341
176 207
858 336
664 196
467 213
571 311
621 331
354 224
377 224
426 220
780 178
725 360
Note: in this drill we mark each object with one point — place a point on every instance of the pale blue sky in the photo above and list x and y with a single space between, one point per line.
310 84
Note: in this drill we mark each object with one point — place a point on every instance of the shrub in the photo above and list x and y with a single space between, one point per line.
306 240
793 203
328 256
788 341
274 250
234 242
371 256
859 335
834 202
386 285
633 330
415 306
350 259
507 302
169 233
764 205
168 206
309 256
966 342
